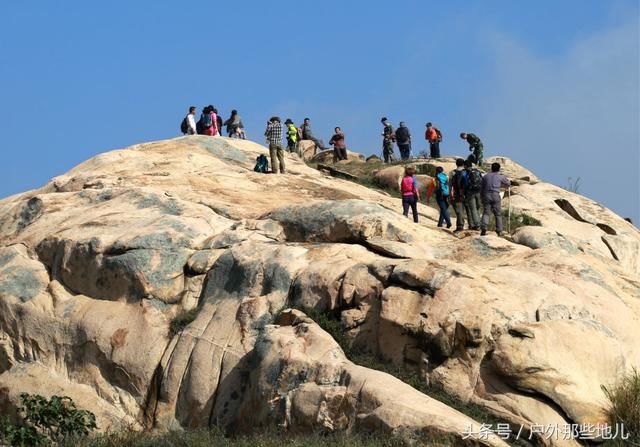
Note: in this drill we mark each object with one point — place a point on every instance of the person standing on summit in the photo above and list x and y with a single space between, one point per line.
491 184
475 145
307 134
339 147
388 137
274 137
403 138
434 137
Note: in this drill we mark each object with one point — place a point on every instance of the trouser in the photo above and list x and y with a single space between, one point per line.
319 143
410 201
292 146
478 152
277 155
340 153
492 203
434 148
472 204
444 211
387 152
405 150
458 205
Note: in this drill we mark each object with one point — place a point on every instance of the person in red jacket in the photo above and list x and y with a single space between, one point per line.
434 137
410 193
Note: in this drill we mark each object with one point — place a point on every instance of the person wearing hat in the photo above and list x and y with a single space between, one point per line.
434 137
292 136
475 145
274 137
388 137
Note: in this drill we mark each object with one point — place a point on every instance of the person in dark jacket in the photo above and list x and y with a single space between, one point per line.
403 138
475 145
339 148
472 199
458 186
491 184
388 137
234 125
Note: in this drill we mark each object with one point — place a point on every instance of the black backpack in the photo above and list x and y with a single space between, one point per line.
262 164
402 134
184 126
457 184
475 180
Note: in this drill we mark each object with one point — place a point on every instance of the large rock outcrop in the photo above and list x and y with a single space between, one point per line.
97 264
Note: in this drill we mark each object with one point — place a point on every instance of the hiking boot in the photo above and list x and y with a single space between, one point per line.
499 233
448 225
475 228
483 232
458 230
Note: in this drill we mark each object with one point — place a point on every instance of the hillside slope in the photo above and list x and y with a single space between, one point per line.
97 264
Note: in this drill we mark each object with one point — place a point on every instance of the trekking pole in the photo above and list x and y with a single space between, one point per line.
509 216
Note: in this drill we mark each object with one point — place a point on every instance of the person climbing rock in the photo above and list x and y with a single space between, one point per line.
388 137
339 147
292 136
403 138
440 186
491 200
274 137
410 193
472 201
307 134
434 137
458 186
475 145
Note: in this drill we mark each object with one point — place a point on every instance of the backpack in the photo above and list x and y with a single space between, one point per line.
438 133
475 180
442 184
262 164
199 127
406 186
457 182
402 134
184 126
206 122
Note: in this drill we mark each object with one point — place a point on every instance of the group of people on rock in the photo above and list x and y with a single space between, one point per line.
210 123
402 137
294 135
469 192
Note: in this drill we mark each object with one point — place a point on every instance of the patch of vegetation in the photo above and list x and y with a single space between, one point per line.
215 438
573 185
518 219
45 422
624 409
182 320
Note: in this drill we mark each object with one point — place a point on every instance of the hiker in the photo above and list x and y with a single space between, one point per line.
339 148
472 194
491 184
274 137
434 137
218 122
440 185
475 145
403 138
208 122
188 125
292 136
233 125
458 186
388 137
307 134
410 193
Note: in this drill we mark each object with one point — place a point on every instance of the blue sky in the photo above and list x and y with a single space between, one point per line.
552 84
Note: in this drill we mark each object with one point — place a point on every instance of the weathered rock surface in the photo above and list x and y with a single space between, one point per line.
96 264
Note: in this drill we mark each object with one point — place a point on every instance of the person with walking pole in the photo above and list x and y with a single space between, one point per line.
491 200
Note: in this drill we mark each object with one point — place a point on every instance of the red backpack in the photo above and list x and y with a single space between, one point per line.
406 186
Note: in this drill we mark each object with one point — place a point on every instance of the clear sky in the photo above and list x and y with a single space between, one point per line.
553 84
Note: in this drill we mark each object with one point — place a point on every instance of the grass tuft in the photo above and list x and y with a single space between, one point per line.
624 408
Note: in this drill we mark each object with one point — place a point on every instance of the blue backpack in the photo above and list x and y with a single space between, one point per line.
442 184
206 122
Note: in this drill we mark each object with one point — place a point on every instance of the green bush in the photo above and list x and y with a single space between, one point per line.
43 422
624 408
